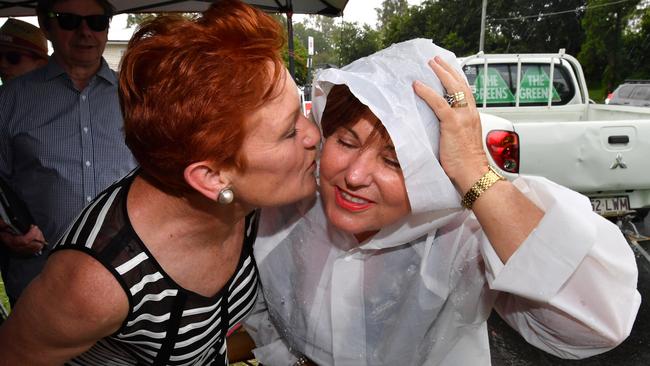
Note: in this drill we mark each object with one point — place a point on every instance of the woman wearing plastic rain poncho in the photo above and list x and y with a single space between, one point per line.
358 277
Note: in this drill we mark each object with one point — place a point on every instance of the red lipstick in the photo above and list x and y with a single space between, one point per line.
349 205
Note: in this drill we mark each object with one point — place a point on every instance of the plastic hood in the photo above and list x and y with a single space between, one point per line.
383 81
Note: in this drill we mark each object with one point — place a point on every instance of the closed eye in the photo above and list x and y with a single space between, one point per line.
292 133
345 144
392 163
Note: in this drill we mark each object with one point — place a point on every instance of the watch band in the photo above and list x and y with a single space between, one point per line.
487 180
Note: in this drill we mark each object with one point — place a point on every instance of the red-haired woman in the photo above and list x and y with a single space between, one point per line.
159 267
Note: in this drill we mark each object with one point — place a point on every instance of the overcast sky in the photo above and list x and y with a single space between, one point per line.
361 11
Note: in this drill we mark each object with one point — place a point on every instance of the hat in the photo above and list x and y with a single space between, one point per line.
23 36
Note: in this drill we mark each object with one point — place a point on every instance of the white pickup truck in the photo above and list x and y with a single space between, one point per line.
554 130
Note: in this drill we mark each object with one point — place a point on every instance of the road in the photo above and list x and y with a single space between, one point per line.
509 349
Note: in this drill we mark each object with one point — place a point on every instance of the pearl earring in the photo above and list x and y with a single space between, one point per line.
225 196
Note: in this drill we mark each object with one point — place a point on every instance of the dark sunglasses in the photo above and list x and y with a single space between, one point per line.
12 57
68 21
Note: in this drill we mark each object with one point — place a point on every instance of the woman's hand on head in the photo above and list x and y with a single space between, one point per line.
461 149
464 160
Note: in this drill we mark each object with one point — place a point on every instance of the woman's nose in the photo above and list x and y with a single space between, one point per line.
360 169
311 137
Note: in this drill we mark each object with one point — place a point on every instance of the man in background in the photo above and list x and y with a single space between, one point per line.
23 48
61 140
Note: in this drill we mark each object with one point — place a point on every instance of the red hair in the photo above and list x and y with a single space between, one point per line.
343 109
187 87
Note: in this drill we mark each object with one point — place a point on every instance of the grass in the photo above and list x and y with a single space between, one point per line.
598 95
3 296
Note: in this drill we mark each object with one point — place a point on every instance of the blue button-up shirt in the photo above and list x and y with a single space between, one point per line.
60 147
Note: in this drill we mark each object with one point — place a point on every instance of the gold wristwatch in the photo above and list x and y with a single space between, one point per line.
481 185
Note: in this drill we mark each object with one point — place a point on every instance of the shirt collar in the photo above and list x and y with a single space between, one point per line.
53 70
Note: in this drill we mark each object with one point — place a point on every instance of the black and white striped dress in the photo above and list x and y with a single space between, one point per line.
166 324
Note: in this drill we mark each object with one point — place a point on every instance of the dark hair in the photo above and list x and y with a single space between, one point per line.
187 88
45 6
343 109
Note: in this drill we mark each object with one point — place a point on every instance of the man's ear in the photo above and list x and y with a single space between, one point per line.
206 179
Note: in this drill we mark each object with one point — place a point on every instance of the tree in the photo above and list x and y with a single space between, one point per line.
299 52
133 20
322 29
536 26
390 9
451 24
601 53
354 42
411 24
637 44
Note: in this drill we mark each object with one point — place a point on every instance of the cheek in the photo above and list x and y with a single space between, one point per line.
102 38
394 192
277 163
331 160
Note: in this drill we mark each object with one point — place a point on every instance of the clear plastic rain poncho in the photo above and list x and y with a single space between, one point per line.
419 292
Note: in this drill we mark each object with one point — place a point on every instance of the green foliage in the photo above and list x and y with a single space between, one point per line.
598 94
3 297
137 19
323 31
637 47
602 54
390 9
611 39
300 61
354 42
519 27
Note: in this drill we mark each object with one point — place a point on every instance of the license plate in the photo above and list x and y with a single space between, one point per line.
608 206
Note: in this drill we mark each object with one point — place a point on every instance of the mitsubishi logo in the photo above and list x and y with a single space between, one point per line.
619 162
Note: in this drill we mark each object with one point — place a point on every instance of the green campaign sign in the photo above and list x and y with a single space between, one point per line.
497 89
534 87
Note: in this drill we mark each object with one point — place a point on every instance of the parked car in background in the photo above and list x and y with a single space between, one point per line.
631 92
537 119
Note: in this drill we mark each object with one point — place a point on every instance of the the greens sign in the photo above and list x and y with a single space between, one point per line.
534 87
497 90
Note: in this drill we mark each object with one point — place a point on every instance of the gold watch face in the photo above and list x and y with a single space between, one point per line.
496 172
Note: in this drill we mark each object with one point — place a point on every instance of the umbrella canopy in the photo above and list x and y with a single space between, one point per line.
322 7
289 7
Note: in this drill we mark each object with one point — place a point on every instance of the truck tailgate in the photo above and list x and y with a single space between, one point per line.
587 156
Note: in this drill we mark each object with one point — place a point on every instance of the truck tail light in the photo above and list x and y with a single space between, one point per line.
504 149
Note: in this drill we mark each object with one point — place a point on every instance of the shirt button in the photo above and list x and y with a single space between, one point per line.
86 129
87 163
89 198
83 97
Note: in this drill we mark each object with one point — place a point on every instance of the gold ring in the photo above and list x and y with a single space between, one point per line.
459 104
456 100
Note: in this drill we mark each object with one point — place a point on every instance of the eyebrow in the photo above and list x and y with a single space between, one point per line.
388 146
352 132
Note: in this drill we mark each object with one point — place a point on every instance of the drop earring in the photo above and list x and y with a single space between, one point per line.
225 196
